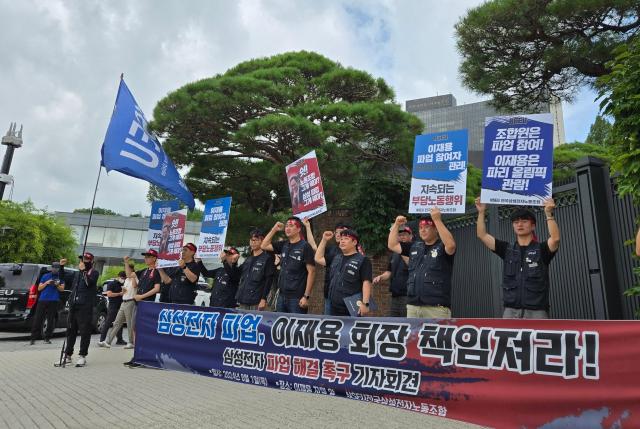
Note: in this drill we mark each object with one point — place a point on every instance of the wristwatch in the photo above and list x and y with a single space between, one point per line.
366 304
307 297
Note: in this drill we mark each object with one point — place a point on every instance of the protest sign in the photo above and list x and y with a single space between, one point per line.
158 211
172 238
213 232
439 176
505 373
305 187
518 159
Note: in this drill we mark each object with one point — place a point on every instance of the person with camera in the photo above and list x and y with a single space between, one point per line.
51 284
81 303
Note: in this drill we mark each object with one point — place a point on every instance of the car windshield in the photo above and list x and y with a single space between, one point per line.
14 276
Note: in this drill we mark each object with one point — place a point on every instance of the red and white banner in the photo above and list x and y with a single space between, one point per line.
305 187
172 238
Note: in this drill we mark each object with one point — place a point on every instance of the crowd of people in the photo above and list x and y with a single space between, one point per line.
419 275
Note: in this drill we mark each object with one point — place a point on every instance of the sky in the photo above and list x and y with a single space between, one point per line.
61 63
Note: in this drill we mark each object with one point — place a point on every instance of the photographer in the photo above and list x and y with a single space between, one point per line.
51 284
81 303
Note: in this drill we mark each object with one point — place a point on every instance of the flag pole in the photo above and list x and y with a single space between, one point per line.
93 203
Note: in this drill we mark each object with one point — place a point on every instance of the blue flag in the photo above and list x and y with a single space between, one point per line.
131 150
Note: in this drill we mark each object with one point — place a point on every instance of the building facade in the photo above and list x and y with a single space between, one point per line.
441 113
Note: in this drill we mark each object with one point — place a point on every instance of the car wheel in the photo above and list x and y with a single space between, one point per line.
43 327
100 321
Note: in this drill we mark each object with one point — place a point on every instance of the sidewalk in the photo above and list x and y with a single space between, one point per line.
35 394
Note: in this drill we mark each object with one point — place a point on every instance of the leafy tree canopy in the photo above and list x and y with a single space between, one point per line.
28 234
237 131
620 92
98 211
523 52
599 132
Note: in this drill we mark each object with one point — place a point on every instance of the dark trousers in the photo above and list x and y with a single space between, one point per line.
339 311
289 305
112 312
79 321
44 309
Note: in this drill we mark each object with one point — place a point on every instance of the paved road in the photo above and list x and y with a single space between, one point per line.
35 394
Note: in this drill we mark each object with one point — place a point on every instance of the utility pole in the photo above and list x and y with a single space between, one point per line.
12 140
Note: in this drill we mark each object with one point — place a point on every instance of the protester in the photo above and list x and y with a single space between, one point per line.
114 293
430 266
225 279
525 279
51 284
127 311
351 272
182 280
329 253
257 272
298 270
81 303
398 273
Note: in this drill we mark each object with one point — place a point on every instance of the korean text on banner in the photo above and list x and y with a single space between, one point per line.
518 159
530 373
171 242
159 209
305 187
439 177
214 227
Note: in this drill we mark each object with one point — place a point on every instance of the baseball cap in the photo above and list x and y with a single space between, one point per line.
150 252
88 256
191 247
232 251
522 213
405 229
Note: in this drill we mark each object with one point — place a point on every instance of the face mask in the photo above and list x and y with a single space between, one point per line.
121 281
87 265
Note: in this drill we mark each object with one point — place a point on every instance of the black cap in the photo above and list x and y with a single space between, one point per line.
522 213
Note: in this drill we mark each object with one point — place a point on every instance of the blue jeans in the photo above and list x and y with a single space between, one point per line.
289 305
327 307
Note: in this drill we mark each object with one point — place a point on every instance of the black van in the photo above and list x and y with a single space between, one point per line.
19 297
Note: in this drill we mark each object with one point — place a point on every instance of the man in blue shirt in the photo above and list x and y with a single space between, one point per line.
49 288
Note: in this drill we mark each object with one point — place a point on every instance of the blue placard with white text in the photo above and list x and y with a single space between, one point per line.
518 159
215 221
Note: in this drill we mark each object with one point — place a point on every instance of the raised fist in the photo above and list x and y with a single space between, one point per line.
327 235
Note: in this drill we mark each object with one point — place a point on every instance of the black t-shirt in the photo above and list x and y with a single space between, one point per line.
329 253
545 253
85 284
116 287
293 275
147 279
182 290
366 269
406 251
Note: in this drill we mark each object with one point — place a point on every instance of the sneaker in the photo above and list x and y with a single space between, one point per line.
121 343
81 361
32 342
47 341
129 346
66 360
103 344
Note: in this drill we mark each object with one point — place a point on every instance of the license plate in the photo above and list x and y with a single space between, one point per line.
3 307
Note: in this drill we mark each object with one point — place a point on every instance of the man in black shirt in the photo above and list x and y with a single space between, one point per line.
225 279
149 278
398 274
330 253
298 269
525 279
183 279
430 266
351 272
114 293
81 303
257 272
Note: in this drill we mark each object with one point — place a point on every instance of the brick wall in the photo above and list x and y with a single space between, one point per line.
326 222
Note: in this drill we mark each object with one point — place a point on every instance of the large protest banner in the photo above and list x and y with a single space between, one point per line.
439 176
518 159
171 241
505 373
213 232
159 210
305 187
